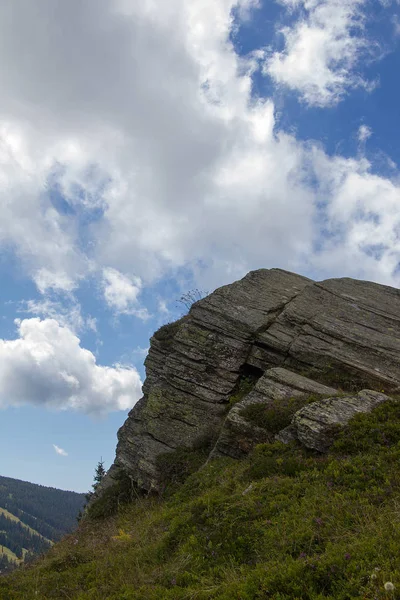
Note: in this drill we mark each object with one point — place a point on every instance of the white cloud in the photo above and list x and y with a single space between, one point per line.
364 133
178 169
162 151
322 49
46 280
46 366
162 307
43 238
396 25
91 324
121 293
59 450
361 235
65 310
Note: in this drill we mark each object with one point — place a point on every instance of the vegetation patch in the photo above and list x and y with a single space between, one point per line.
372 431
285 524
168 331
68 561
176 466
337 376
277 458
243 387
277 414
113 497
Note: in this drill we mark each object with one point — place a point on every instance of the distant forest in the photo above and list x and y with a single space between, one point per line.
50 512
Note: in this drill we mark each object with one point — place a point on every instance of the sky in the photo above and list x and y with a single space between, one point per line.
151 148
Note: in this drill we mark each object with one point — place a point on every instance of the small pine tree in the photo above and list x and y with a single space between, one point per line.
98 478
99 474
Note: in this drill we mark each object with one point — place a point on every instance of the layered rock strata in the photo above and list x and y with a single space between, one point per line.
339 334
239 435
315 425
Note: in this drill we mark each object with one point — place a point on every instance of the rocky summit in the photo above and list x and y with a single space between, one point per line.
272 340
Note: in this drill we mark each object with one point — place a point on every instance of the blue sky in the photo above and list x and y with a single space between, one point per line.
150 148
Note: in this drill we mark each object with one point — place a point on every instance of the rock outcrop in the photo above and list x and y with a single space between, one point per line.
288 336
315 424
277 386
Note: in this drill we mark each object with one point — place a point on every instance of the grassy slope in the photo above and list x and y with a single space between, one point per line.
9 515
4 550
285 524
10 555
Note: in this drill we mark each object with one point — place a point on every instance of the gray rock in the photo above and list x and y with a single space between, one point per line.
346 325
193 367
316 425
274 325
239 435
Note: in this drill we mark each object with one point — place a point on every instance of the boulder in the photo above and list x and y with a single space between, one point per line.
280 330
276 387
317 425
193 367
345 329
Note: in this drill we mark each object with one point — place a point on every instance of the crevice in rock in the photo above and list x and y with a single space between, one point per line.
153 437
250 372
210 456
174 418
191 393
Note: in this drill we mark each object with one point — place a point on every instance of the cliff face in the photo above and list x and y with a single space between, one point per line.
271 337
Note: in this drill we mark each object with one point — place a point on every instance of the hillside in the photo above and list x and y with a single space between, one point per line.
261 462
32 518
284 523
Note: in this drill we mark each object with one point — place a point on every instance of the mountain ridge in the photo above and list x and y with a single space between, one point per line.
33 517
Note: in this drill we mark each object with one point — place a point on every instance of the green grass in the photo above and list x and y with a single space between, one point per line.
16 519
336 375
167 332
10 555
278 414
284 524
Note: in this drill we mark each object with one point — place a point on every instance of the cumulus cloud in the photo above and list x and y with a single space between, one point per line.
322 49
44 238
143 168
121 293
361 221
46 366
65 310
59 450
108 171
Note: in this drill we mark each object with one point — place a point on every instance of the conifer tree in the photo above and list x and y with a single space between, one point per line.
98 478
99 474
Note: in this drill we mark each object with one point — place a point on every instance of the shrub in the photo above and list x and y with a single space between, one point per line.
122 492
368 431
191 297
167 332
278 414
176 466
278 459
